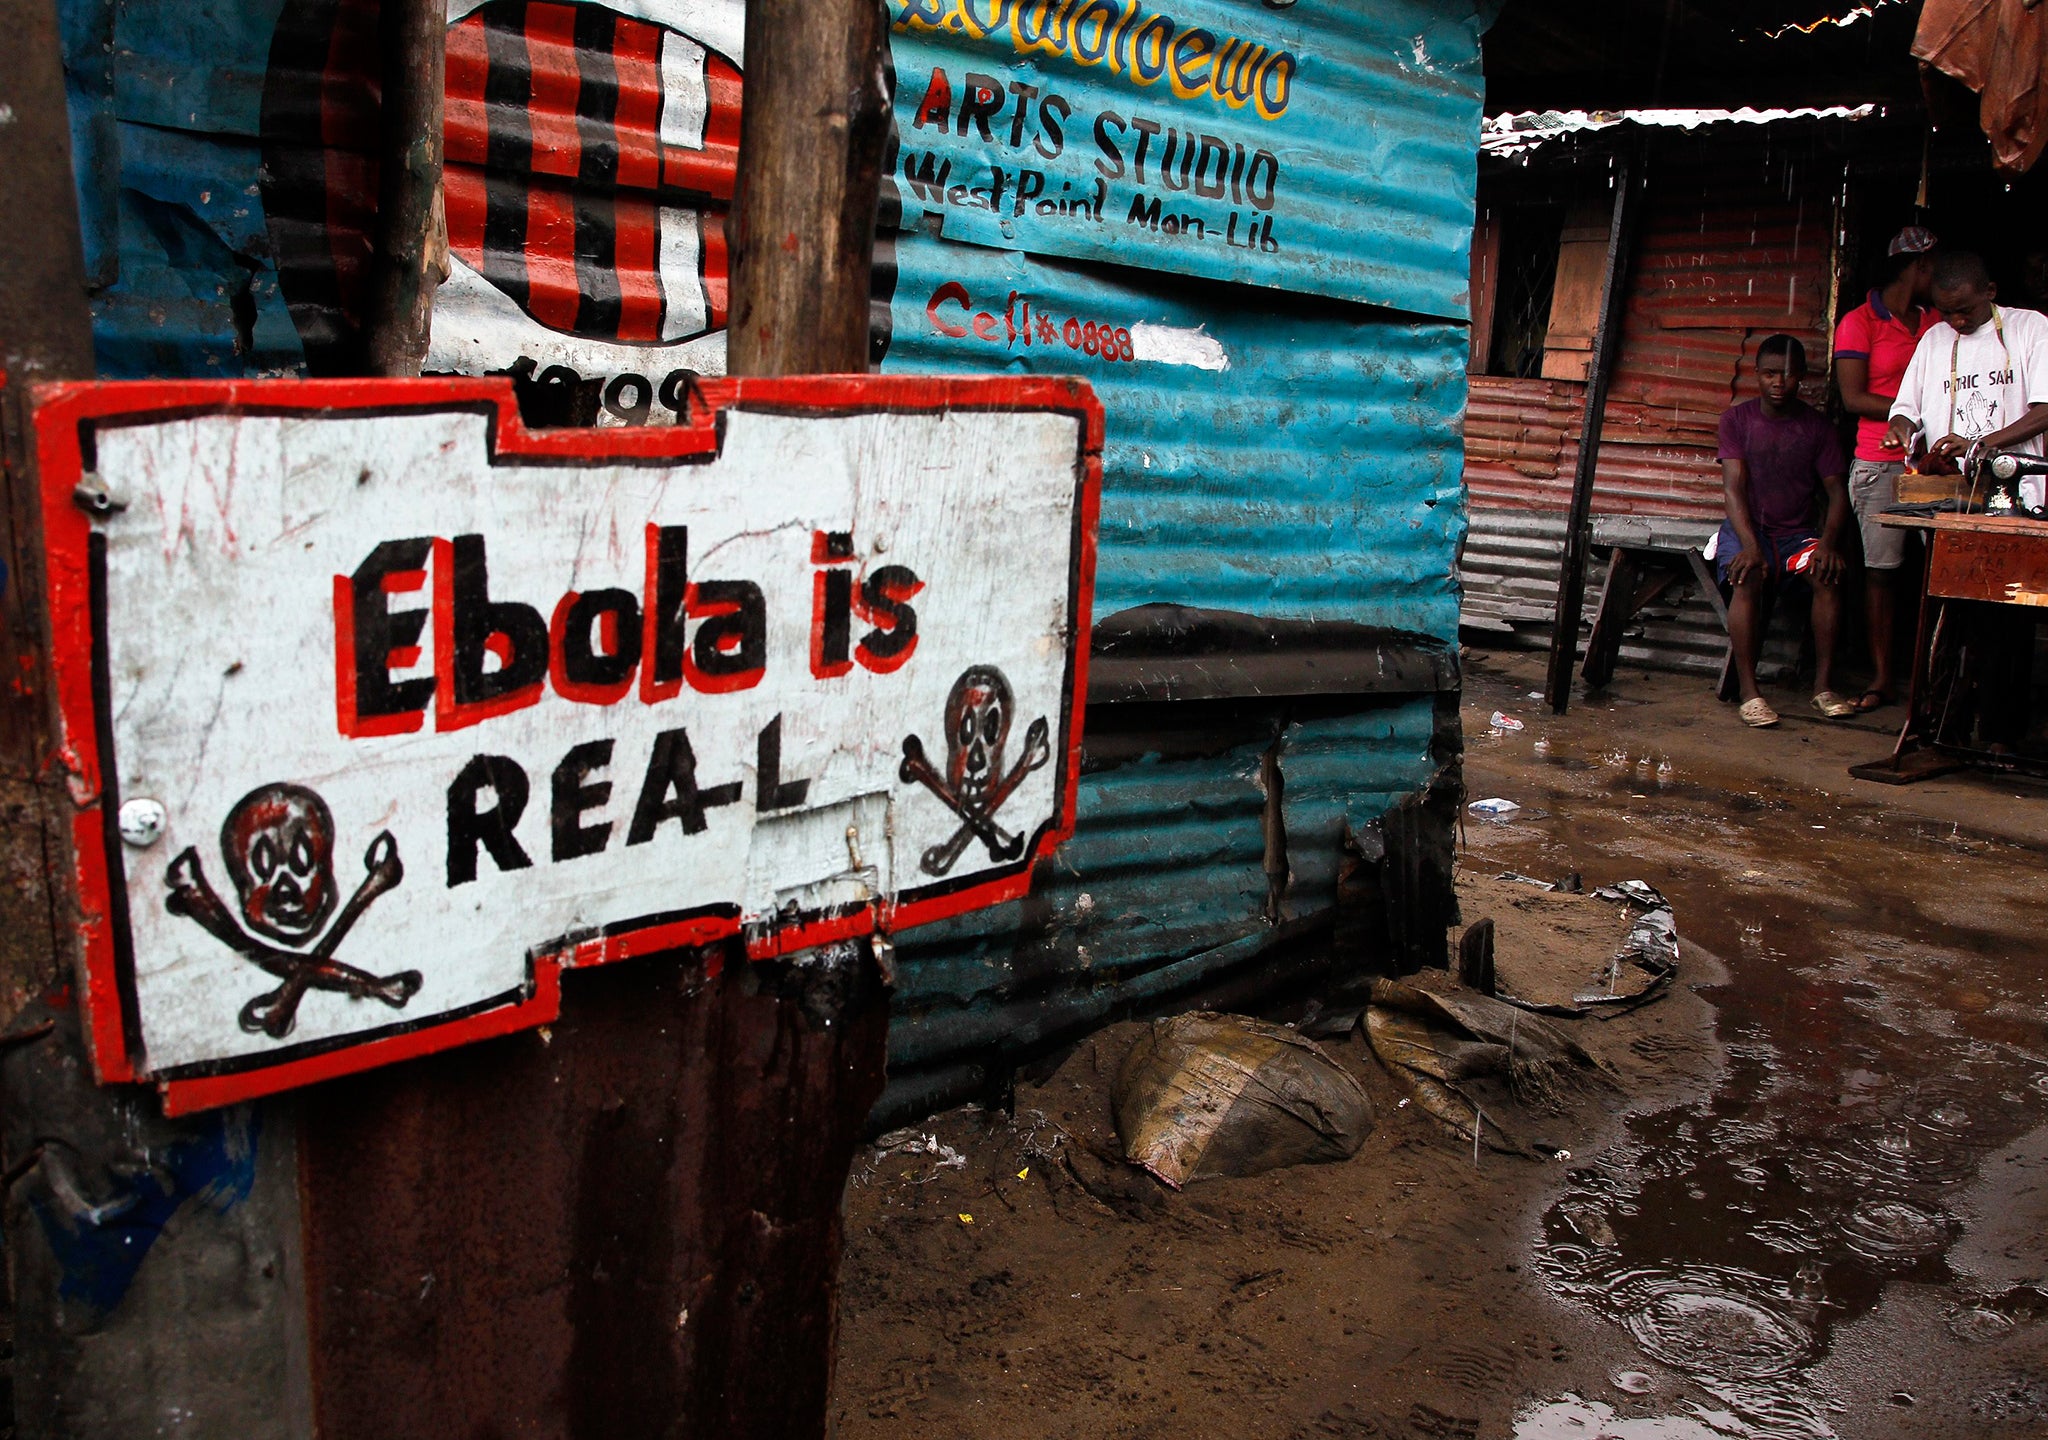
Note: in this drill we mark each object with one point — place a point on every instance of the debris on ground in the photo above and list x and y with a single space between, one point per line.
919 1143
1494 809
1651 948
1204 1095
1324 1022
1475 958
1442 1044
1545 929
1570 884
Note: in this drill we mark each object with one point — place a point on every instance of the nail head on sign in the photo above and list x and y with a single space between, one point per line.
142 822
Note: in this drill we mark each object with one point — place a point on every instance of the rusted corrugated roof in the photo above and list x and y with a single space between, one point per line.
1725 259
1517 134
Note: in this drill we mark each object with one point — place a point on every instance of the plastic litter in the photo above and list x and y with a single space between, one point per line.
1495 809
919 1143
1204 1094
1504 721
1653 940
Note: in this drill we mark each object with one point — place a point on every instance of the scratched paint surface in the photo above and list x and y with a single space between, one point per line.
564 800
1272 455
100 1247
1327 147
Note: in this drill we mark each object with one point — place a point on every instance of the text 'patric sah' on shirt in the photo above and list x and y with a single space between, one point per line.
1972 385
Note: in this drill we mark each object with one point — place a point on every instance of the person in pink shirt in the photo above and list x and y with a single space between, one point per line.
1873 345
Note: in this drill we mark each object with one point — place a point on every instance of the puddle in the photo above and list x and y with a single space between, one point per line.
1571 1418
1882 1036
1993 1318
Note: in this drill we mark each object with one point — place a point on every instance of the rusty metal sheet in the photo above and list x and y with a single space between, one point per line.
1725 258
606 1229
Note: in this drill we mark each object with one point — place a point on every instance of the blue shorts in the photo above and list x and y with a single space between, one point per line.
1779 547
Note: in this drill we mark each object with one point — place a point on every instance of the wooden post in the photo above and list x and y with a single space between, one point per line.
1571 583
411 256
631 1220
45 334
803 224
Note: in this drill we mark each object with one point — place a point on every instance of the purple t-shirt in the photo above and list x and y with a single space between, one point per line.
1787 458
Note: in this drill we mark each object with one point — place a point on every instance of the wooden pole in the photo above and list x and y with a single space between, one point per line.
633 1218
1571 583
411 256
803 224
45 334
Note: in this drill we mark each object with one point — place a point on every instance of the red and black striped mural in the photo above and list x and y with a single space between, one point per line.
590 158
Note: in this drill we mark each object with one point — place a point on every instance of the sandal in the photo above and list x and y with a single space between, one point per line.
1757 713
1832 705
1872 699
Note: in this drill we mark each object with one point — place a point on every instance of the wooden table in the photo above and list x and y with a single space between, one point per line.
1982 558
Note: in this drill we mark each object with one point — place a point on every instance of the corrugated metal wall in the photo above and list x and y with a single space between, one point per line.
1725 258
1281 503
1353 518
1274 456
1300 459
1729 252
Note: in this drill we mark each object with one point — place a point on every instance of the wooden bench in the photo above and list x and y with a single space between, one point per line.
1648 557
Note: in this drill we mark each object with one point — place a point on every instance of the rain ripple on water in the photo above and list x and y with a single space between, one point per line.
1709 1321
1895 1230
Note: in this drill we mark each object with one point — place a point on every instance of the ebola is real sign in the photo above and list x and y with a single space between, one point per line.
382 710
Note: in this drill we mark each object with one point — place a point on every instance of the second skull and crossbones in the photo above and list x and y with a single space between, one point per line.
278 843
975 785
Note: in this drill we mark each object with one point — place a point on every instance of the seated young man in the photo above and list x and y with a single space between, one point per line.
1778 454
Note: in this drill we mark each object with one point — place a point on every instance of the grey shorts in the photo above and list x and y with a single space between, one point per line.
1873 485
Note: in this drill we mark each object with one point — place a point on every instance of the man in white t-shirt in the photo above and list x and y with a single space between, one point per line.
1978 381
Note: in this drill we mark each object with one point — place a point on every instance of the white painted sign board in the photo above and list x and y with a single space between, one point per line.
383 710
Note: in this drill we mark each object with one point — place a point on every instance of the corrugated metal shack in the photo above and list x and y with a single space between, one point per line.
1248 227
1785 145
1738 240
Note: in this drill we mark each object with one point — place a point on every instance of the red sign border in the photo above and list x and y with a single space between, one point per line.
62 414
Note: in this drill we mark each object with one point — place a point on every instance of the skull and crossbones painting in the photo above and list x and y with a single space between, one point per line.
974 784
278 843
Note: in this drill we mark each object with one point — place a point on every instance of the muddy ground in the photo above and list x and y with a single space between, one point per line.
1816 1207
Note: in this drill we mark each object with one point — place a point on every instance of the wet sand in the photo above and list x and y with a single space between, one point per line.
1820 1210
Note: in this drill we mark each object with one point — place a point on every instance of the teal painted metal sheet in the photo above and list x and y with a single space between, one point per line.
166 121
1328 147
1276 455
1162 889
